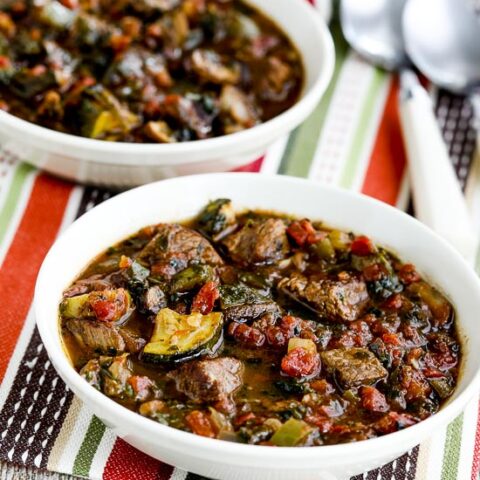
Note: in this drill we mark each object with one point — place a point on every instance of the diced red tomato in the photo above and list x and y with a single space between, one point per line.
71 4
394 302
276 337
391 339
362 246
120 43
393 422
414 383
104 309
303 233
141 387
432 373
408 274
4 62
205 299
323 423
373 400
300 363
244 418
38 70
246 334
322 386
374 272
124 262
200 424
109 305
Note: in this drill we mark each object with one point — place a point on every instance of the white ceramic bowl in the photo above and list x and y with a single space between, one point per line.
128 164
182 198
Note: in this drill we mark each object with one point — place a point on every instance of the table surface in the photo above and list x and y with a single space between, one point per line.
9 472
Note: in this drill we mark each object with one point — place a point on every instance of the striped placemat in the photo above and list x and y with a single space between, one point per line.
352 140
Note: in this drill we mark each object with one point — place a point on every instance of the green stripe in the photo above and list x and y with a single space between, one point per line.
12 197
84 458
451 454
298 155
351 165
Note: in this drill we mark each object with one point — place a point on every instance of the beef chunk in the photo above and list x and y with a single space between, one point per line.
209 380
336 300
353 367
263 241
133 343
174 247
94 283
99 337
153 299
247 312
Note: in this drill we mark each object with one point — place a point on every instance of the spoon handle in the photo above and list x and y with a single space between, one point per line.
438 199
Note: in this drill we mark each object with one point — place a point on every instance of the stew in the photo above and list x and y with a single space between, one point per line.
260 328
144 70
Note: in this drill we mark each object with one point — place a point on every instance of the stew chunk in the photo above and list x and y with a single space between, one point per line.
209 380
262 241
337 300
174 247
353 367
97 336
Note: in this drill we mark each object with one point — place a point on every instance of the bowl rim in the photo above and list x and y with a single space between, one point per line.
308 100
235 454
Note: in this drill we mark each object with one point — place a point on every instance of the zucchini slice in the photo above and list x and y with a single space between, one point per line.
178 337
76 307
114 305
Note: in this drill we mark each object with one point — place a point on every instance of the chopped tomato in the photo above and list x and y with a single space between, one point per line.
300 362
38 70
246 334
414 383
4 62
393 422
323 423
109 305
125 262
71 4
322 386
374 272
432 373
373 400
244 418
394 302
408 274
276 337
392 339
303 233
200 424
120 43
362 246
141 387
205 299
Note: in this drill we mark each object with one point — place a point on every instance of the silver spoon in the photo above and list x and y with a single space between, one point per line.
374 29
443 39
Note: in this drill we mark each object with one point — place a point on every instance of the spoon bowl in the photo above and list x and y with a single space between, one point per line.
374 29
442 37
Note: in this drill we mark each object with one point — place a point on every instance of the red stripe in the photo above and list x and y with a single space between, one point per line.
128 463
476 449
387 164
251 167
35 234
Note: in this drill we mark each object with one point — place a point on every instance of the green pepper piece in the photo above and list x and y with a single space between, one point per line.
191 278
443 386
232 295
339 239
291 433
324 249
